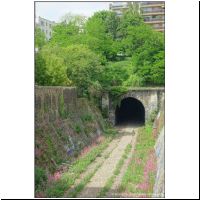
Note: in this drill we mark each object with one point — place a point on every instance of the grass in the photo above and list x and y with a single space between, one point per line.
58 188
77 128
86 118
82 184
116 172
40 178
139 177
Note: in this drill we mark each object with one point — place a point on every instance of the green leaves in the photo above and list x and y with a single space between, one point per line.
104 51
64 34
40 39
41 75
101 28
82 65
114 74
40 177
50 67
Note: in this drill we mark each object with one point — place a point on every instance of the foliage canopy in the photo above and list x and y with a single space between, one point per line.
101 52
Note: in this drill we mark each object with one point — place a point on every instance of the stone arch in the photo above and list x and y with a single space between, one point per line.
130 111
149 97
136 95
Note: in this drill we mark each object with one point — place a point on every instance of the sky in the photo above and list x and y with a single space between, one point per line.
55 10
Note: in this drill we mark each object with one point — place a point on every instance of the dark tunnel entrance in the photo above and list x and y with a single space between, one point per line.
130 112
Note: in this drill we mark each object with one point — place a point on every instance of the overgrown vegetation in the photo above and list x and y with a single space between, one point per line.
103 53
139 177
78 188
58 188
116 172
82 184
40 178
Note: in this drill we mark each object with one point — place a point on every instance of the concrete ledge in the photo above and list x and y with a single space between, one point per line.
147 88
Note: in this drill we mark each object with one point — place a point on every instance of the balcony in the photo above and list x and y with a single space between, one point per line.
160 30
152 3
113 7
153 13
118 5
159 18
152 10
154 22
158 26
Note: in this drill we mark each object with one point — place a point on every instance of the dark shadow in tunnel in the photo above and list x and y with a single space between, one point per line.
130 112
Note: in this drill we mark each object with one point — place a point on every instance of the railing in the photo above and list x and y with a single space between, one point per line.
118 7
154 19
152 10
158 26
153 13
152 3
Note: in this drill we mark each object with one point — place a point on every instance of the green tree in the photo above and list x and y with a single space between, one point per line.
133 81
145 46
83 66
50 67
110 21
136 37
78 20
41 75
148 59
56 71
130 18
64 34
101 30
158 69
69 31
84 53
40 39
115 73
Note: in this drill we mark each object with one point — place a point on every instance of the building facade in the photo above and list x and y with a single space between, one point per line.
153 12
119 7
46 26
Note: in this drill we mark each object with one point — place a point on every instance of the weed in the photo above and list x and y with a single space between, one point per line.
82 184
86 118
110 131
77 128
116 172
40 177
139 176
153 116
62 110
58 188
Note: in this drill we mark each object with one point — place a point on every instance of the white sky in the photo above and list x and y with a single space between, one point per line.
55 10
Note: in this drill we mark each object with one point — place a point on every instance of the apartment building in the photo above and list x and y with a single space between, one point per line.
119 7
46 26
153 12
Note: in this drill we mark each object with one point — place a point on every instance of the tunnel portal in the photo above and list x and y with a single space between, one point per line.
130 112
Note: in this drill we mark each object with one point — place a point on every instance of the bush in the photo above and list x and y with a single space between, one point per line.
77 128
153 116
133 81
110 131
86 118
56 190
40 177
